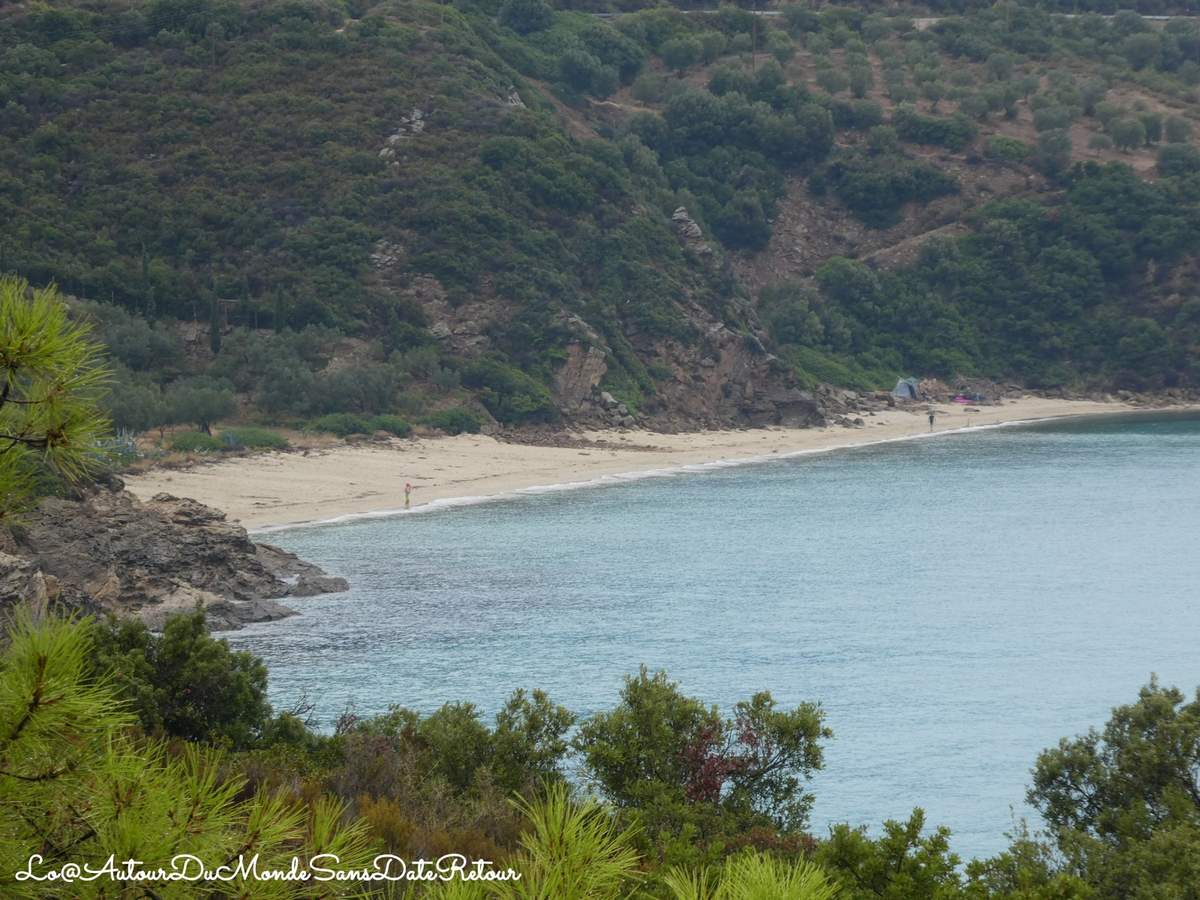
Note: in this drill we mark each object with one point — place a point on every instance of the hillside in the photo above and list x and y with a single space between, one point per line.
281 210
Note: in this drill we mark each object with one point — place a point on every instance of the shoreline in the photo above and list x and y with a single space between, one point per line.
277 491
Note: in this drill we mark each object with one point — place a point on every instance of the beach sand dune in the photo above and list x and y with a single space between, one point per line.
279 489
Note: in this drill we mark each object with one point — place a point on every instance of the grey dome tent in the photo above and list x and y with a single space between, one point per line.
907 389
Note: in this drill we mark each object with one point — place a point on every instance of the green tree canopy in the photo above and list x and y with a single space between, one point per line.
51 377
75 787
184 682
1123 804
200 400
684 766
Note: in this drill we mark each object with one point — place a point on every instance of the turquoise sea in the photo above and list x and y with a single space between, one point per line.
956 604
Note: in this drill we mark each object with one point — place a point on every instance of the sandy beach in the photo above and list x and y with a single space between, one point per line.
274 490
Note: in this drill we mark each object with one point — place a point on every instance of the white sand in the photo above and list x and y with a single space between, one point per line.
277 489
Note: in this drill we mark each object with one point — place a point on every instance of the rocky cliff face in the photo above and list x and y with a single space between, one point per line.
108 551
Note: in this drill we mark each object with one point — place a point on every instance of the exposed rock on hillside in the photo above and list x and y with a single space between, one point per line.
690 232
111 552
579 376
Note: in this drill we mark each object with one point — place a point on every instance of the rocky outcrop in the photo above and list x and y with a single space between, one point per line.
461 327
412 125
786 406
108 551
581 373
690 233
21 578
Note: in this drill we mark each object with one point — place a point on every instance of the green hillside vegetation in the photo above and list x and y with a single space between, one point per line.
117 741
267 206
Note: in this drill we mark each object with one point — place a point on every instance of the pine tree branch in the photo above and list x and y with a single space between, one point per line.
35 701
44 776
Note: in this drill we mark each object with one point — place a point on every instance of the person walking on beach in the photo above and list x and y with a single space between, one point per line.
931 420
407 494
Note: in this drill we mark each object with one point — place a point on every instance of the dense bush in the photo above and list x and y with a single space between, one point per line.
860 114
344 424
196 442
253 438
953 133
185 683
1178 160
524 16
139 345
455 421
1007 149
393 425
876 187
1053 152
341 424
508 393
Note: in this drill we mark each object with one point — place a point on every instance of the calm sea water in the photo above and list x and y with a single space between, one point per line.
955 604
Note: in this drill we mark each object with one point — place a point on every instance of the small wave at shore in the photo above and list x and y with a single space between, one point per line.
637 475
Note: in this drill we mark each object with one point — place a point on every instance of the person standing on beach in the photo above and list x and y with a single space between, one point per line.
407 494
931 420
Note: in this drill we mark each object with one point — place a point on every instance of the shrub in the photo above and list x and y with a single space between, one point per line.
391 424
508 393
801 19
341 424
860 80
1178 159
883 139
712 46
953 133
1052 118
649 88
860 114
780 46
526 16
455 421
1128 133
184 682
578 69
832 80
254 438
876 187
1178 130
1153 124
974 105
196 442
1053 153
1106 112
1007 149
